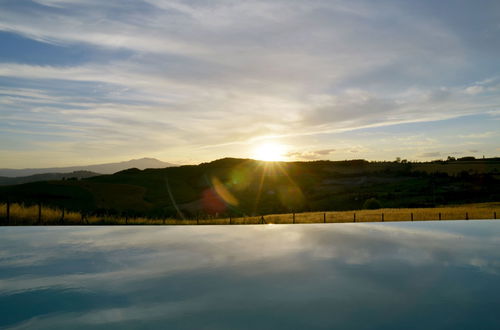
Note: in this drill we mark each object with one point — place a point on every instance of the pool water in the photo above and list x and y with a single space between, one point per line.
420 275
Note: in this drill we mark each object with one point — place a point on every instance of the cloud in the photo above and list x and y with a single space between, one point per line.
310 155
430 154
233 72
324 151
484 86
474 90
358 108
483 135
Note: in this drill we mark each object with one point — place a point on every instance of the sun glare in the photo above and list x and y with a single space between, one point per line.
269 152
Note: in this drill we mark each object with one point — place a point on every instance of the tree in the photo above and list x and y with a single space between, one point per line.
371 204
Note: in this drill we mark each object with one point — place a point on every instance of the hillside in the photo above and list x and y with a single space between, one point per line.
46 177
244 186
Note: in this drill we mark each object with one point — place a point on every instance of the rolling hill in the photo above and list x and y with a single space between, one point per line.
46 177
245 186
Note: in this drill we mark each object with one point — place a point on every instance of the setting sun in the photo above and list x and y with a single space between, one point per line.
269 152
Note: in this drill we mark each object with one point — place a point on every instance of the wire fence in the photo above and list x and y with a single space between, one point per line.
13 214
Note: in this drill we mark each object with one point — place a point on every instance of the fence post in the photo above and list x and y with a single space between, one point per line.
494 215
293 217
466 215
411 216
324 217
8 211
354 217
62 216
84 218
382 217
230 220
39 212
262 221
439 215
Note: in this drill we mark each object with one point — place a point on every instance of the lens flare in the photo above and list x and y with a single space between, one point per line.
223 192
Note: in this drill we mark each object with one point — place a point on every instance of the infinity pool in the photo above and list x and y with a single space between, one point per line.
420 275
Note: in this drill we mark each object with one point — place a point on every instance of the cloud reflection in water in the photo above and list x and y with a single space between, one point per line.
351 276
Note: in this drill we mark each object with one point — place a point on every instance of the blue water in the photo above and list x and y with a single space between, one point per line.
420 275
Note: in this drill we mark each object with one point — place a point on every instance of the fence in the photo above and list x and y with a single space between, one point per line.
16 214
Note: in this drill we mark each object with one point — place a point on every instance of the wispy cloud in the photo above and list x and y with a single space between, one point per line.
196 74
479 135
310 155
430 154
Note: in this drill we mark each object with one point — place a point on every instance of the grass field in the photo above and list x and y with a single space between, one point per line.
32 215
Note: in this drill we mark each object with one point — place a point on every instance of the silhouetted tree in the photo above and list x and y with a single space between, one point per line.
371 204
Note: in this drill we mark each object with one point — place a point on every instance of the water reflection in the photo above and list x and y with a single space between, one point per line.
349 276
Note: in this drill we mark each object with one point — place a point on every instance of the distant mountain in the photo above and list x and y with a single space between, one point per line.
46 177
108 168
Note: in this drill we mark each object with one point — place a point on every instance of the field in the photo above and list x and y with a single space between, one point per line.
456 167
40 215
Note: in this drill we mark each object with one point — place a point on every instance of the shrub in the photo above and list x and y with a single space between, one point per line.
371 204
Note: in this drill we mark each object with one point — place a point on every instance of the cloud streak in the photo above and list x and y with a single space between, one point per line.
197 74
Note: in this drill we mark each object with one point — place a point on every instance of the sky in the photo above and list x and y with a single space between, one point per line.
91 81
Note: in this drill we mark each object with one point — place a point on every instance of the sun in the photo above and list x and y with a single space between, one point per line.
269 151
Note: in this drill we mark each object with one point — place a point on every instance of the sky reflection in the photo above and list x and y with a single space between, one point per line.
351 276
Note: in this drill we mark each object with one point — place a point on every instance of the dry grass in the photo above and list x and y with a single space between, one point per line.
28 215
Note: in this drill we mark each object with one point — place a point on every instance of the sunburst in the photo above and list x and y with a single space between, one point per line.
270 151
